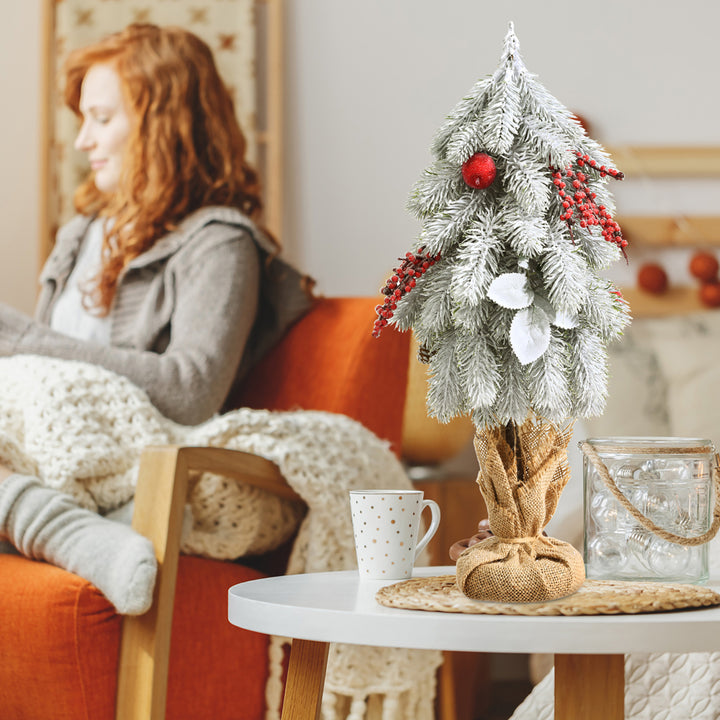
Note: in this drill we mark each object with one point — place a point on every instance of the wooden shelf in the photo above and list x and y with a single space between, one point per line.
675 301
668 231
667 161
671 231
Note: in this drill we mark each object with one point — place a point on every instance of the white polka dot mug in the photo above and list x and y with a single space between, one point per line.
386 524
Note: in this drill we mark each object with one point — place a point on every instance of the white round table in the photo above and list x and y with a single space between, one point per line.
318 608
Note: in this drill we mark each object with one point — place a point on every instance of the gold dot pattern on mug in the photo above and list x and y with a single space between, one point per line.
383 520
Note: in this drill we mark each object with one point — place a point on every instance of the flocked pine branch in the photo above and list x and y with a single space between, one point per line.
503 289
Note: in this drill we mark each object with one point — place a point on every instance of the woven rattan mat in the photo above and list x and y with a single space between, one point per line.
595 597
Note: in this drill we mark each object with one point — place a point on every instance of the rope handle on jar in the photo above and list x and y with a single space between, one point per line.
592 455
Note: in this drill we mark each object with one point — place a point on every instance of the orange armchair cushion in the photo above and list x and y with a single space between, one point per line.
330 361
59 645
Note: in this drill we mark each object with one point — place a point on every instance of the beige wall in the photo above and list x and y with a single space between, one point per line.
19 156
368 84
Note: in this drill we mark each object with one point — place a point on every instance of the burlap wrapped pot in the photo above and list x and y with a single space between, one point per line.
523 470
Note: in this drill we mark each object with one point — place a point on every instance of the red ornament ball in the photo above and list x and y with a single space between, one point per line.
710 294
479 171
652 278
704 266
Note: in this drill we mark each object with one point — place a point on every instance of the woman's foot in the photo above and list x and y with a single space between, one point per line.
44 523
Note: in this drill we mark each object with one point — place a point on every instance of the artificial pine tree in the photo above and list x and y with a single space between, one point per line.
505 295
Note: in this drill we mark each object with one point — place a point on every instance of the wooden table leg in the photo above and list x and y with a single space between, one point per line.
463 689
591 687
305 680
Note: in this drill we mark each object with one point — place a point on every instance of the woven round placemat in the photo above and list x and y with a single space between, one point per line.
595 597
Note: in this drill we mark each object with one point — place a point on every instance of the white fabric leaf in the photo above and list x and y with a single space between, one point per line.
558 318
510 290
530 334
565 320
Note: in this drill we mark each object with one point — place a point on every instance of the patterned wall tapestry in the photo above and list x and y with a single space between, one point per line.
227 26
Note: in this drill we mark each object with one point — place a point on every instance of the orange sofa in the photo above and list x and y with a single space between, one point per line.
60 638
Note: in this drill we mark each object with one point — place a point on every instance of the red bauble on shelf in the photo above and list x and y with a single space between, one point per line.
652 278
479 171
710 294
704 266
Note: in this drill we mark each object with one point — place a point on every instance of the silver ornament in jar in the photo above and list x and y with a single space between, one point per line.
648 508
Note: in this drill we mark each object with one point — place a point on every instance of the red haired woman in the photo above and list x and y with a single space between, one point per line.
158 278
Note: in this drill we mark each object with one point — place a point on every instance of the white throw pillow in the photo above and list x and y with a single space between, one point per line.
637 390
688 350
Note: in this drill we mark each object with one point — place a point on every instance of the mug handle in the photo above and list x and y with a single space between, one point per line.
434 524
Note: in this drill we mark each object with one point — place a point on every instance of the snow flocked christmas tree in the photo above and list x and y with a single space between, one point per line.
505 295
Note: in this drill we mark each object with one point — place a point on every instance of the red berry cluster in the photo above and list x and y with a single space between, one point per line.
403 280
619 297
580 201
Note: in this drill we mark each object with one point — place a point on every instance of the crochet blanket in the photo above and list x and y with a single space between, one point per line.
81 429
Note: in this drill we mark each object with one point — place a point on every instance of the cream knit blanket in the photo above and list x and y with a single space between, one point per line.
81 429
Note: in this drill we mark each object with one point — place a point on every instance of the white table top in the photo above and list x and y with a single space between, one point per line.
337 607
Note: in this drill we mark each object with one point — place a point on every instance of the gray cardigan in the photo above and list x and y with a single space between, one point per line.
182 314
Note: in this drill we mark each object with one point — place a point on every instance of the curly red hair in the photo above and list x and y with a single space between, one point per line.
186 149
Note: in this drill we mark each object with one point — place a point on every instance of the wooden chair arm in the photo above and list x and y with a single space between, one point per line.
160 496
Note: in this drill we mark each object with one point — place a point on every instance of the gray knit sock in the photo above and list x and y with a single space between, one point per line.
124 514
44 523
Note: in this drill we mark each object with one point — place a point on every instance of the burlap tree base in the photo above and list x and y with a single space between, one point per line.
523 470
